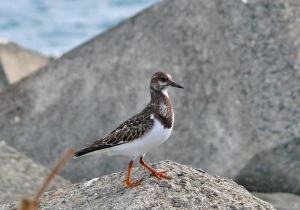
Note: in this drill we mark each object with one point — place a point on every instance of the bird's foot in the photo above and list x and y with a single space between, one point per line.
160 174
132 184
157 174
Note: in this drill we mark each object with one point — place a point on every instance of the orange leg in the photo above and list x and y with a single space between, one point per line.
158 174
127 180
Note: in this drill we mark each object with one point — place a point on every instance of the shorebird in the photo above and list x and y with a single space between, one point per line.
142 132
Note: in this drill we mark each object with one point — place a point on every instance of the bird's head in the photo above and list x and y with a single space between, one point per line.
161 80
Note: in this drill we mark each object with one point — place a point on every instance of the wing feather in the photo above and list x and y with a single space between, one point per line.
128 131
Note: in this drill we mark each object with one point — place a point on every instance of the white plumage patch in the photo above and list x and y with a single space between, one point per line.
163 107
150 140
165 92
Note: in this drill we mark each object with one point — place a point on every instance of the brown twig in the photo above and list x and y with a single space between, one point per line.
27 204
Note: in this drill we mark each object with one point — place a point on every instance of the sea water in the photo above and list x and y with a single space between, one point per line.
53 27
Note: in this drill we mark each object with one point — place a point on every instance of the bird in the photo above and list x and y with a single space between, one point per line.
142 132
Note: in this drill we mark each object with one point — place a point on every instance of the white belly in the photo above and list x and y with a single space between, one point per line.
155 137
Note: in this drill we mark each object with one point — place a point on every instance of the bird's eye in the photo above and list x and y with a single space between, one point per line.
163 79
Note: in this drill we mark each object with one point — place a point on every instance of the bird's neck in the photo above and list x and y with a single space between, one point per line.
159 96
162 103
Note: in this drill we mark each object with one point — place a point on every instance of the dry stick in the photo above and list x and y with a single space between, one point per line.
54 171
27 204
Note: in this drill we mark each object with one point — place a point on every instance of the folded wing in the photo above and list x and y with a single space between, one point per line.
128 131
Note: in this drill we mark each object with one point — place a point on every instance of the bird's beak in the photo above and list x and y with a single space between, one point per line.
174 84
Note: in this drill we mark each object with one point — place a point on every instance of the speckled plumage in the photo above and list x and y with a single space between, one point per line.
145 130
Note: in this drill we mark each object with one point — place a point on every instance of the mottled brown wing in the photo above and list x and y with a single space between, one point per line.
128 131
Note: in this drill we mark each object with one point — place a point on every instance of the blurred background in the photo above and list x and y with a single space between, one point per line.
54 27
238 116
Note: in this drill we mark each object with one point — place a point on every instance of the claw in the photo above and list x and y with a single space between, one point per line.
160 174
157 174
132 184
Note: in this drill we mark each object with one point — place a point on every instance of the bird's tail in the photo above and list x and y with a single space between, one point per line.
90 150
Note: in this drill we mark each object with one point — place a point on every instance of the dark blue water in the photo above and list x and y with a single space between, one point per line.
53 27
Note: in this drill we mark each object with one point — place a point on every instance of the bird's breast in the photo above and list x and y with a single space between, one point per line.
157 134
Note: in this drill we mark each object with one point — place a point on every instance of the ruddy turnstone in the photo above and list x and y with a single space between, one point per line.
142 132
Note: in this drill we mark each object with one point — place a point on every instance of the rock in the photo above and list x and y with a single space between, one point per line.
190 188
281 201
285 156
20 176
239 64
17 62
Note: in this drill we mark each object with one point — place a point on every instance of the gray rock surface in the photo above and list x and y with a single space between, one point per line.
239 64
283 168
281 201
17 62
190 188
20 176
